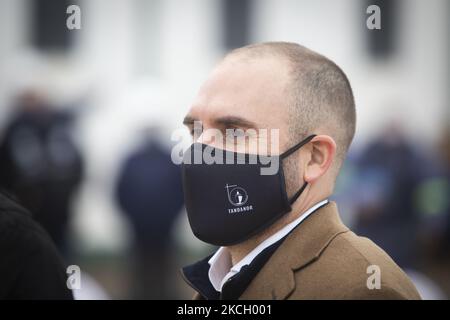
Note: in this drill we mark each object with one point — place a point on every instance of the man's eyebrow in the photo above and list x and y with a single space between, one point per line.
233 121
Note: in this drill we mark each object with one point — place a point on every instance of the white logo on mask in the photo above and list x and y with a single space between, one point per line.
236 195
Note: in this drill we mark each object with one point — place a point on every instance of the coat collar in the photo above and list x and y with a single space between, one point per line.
303 246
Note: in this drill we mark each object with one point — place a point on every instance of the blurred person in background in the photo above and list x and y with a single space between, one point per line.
149 193
392 201
389 171
440 188
432 197
40 163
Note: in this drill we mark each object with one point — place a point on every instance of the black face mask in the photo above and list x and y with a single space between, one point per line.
229 203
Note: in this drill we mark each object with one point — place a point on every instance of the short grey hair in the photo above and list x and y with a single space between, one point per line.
319 93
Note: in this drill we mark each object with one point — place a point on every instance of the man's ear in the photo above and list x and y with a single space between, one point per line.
322 151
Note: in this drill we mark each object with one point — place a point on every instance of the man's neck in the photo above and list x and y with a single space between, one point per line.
240 250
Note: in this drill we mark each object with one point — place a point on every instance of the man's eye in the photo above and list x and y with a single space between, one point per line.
235 133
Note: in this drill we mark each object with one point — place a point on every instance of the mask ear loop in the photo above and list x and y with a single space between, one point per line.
298 193
290 151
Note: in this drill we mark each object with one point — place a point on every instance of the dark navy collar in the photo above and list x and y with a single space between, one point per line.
196 275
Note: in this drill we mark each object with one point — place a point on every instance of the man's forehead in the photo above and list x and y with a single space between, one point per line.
250 73
251 90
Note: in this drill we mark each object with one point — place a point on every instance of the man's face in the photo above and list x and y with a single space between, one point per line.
247 94
243 94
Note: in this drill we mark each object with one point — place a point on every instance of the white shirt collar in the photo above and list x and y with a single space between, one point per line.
222 270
